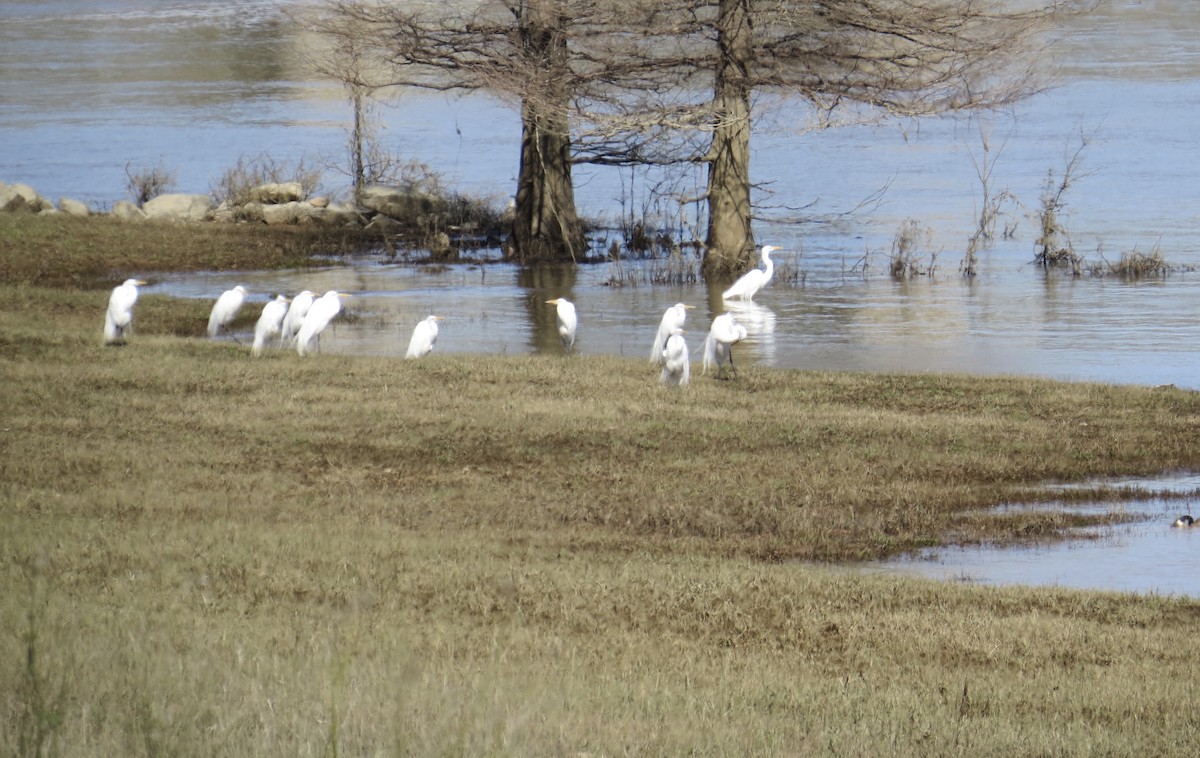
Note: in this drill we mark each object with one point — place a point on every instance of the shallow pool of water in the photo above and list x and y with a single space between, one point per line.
1009 323
1145 556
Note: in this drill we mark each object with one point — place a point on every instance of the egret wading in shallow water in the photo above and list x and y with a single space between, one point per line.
677 367
424 337
118 319
318 317
567 322
269 323
718 346
753 280
295 316
226 309
672 320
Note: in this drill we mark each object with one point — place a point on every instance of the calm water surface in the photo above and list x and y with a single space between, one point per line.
1060 328
89 88
1148 556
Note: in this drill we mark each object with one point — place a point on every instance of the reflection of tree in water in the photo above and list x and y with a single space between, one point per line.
542 283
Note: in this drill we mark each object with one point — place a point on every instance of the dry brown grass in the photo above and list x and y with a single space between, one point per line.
467 555
100 252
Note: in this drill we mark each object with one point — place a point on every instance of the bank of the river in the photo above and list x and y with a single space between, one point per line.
208 553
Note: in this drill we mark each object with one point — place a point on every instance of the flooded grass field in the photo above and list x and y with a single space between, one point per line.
89 89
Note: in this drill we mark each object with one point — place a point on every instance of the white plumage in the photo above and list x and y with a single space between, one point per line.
269 323
318 317
424 337
226 309
118 319
677 368
568 322
722 336
753 280
672 320
295 316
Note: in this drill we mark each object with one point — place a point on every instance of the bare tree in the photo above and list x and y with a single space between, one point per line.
514 49
628 82
855 59
893 57
344 57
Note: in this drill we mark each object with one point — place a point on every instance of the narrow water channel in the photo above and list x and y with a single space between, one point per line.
1146 556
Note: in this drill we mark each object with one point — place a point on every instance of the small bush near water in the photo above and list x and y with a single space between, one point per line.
148 183
236 185
1135 265
905 263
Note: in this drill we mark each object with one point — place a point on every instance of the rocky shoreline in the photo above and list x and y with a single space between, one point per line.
380 208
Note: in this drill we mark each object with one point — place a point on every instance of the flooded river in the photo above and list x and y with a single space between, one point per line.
88 89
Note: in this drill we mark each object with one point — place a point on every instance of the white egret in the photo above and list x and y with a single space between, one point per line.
118 319
269 323
226 309
672 319
722 336
295 316
423 337
567 321
677 368
318 317
753 280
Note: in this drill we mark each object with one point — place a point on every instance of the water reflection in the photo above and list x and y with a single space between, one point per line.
87 88
542 283
1151 556
1146 556
1101 331
759 321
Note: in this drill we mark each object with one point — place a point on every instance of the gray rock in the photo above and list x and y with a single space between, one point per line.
338 214
18 198
73 207
276 193
383 224
178 207
223 213
127 211
285 213
249 212
400 203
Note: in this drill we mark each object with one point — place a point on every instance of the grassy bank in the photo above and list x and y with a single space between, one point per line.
207 554
100 252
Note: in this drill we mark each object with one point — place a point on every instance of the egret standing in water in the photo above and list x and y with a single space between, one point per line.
118 319
226 309
318 317
423 337
269 323
295 316
753 280
567 322
677 367
722 336
672 320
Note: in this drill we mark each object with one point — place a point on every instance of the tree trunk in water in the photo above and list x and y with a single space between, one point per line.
546 226
356 143
730 242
